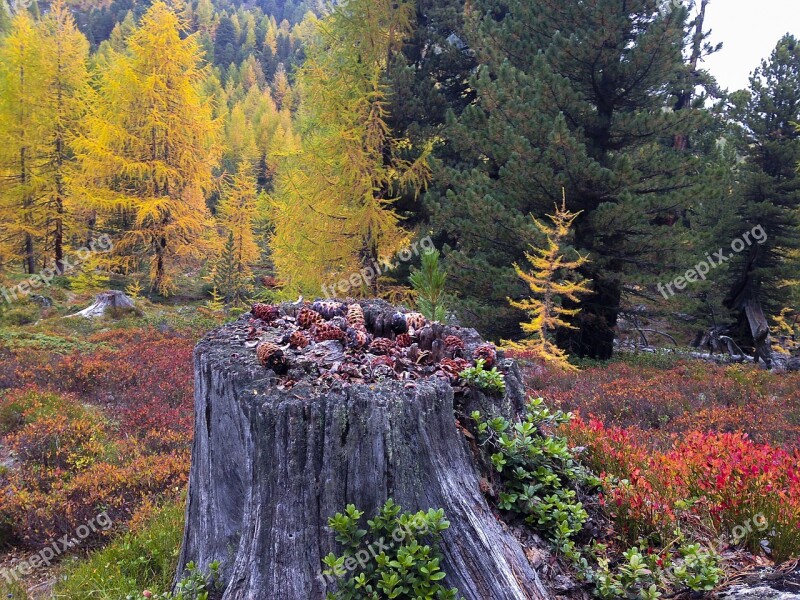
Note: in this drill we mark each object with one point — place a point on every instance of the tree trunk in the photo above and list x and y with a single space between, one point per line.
271 465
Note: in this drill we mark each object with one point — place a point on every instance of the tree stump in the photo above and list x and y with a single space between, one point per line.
275 455
105 301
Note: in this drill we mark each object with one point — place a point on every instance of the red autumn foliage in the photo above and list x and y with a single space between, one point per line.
105 430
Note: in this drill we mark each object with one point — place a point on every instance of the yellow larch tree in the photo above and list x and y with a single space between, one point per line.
45 94
22 141
236 215
550 284
151 145
65 100
333 205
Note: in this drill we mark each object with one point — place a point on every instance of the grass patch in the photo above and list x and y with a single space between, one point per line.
144 558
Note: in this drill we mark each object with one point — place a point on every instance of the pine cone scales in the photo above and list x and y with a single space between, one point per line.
415 321
453 367
299 340
403 340
381 346
357 338
324 332
265 312
328 309
308 318
271 356
487 353
355 317
453 343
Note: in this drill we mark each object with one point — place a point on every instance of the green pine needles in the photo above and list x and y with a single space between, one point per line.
428 283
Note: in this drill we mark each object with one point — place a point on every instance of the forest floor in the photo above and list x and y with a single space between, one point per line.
96 420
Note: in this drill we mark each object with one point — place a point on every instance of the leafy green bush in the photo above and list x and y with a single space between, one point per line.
390 560
21 315
491 381
196 585
145 558
700 570
646 576
540 475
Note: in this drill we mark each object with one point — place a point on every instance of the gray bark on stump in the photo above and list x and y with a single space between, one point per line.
270 466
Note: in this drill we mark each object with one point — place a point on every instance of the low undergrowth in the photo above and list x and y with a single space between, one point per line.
396 557
144 558
540 479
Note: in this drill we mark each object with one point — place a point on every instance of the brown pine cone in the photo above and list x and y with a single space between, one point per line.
453 367
403 340
415 321
328 309
487 353
324 332
453 344
298 339
355 317
381 346
386 361
265 312
307 318
357 338
271 356
339 322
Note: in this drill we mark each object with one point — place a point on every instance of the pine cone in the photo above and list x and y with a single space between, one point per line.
271 356
265 312
307 318
355 316
328 309
339 322
403 340
415 321
298 339
381 346
357 338
453 367
399 324
324 332
454 345
487 353
386 361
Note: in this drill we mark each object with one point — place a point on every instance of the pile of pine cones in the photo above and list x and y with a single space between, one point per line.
294 334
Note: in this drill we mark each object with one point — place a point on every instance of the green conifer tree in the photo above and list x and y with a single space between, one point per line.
429 284
573 96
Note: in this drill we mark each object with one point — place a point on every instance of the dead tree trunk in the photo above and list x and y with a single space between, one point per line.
271 464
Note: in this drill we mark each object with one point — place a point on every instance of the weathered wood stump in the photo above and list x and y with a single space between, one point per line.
106 301
275 456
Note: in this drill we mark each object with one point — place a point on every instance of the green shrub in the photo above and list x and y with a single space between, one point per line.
20 408
406 568
646 576
21 315
540 475
491 382
196 585
146 558
700 570
15 591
